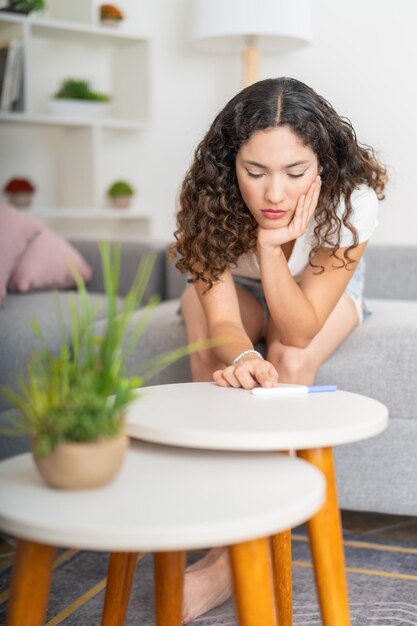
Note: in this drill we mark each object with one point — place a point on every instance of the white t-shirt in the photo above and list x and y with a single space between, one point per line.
364 218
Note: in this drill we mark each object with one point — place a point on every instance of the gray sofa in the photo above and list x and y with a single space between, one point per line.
379 359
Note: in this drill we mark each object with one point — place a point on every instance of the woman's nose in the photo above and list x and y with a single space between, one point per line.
275 192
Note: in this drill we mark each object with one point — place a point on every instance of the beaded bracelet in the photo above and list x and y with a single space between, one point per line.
244 353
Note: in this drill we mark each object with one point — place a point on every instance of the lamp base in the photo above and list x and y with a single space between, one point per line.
251 63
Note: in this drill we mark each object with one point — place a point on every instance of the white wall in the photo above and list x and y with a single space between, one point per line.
188 89
363 61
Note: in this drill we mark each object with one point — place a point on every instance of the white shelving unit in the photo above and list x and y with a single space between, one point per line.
70 159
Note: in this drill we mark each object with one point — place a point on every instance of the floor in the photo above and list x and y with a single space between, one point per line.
395 527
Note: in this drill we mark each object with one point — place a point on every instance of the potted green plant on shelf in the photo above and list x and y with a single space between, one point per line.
110 15
72 403
120 194
76 98
24 6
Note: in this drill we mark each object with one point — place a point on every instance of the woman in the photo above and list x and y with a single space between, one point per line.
276 211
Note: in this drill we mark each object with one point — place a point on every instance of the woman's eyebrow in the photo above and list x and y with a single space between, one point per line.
265 167
286 167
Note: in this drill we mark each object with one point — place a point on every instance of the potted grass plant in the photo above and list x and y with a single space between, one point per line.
24 6
120 194
72 403
76 98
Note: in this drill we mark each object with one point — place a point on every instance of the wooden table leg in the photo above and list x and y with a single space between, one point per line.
326 541
121 571
281 563
169 570
31 579
252 579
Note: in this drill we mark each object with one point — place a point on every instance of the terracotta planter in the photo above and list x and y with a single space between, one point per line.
121 202
109 21
21 199
83 465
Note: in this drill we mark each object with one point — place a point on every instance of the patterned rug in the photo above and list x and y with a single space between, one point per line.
382 580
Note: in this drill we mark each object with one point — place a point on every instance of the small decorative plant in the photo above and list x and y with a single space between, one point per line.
19 192
120 193
76 89
25 6
110 14
79 395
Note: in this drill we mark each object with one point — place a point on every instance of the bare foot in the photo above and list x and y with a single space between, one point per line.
208 585
208 559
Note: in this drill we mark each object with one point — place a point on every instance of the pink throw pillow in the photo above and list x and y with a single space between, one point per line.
44 265
17 229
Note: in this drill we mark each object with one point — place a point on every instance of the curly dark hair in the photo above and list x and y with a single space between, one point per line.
214 225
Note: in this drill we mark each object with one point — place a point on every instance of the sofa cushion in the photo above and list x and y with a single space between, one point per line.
16 232
165 332
379 358
132 254
391 272
45 264
378 474
17 339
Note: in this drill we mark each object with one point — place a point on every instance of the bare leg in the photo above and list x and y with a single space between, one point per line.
207 587
208 582
208 559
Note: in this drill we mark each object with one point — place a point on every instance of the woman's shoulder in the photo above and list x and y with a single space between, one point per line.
364 216
364 192
363 199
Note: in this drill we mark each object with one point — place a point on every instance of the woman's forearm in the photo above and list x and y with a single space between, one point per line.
291 312
234 341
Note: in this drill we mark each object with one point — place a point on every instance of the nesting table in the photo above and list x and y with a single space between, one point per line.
165 500
209 417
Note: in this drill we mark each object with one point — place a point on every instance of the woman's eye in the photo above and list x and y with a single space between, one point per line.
296 175
254 175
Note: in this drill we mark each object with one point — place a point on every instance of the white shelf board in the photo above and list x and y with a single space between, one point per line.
110 123
54 29
14 18
90 214
44 27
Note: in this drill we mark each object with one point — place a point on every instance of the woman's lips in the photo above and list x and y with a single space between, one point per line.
273 215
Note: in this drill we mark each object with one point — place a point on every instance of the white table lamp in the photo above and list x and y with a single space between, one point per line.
230 26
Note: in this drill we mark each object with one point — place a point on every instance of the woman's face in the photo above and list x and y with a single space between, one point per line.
274 168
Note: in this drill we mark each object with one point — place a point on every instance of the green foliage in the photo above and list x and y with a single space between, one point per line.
26 6
80 393
120 188
79 90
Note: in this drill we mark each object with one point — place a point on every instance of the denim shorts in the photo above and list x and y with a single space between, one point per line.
354 291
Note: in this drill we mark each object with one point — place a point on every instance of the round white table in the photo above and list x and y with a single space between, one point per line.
228 499
206 416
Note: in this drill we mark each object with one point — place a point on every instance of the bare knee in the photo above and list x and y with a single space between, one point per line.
293 364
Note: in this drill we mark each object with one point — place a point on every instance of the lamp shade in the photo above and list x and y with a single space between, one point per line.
223 26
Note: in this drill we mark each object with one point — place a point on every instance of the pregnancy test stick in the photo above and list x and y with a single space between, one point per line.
284 390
